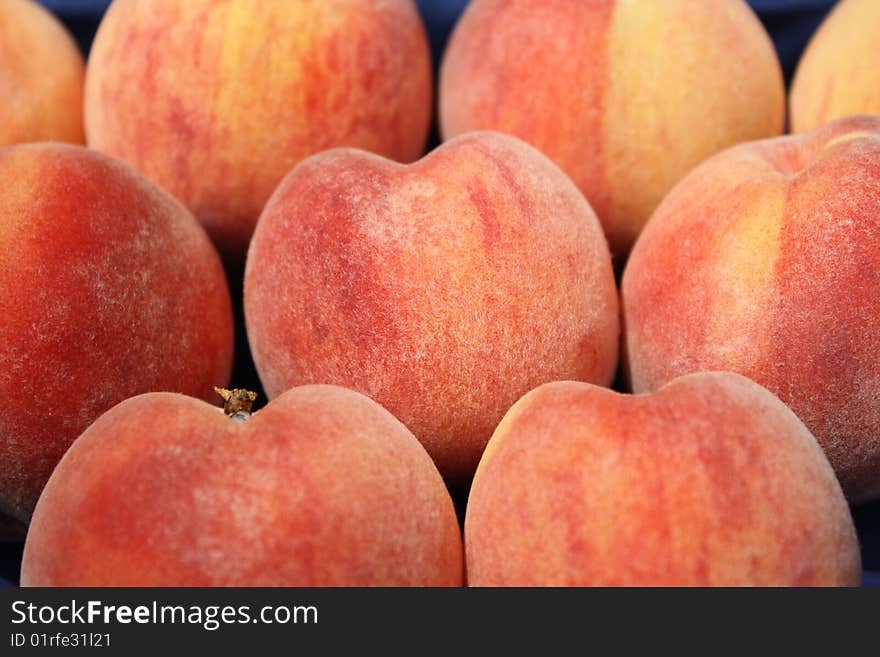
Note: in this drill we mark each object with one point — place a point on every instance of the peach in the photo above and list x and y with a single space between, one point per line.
41 77
444 289
765 260
838 74
322 487
711 481
108 288
626 97
217 101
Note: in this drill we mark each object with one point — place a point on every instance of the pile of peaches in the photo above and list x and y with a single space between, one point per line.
613 203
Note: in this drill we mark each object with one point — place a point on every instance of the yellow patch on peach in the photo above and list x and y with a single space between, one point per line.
838 74
743 278
41 77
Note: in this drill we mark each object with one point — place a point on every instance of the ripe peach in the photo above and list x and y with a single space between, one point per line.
108 288
711 481
217 101
41 77
838 74
626 97
322 487
765 261
444 290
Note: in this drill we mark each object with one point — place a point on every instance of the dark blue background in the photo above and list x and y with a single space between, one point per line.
790 24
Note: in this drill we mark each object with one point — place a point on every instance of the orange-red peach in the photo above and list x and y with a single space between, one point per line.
444 290
626 97
217 101
765 260
41 77
322 487
108 288
711 481
838 74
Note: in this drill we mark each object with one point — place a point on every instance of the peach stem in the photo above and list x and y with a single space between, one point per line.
237 403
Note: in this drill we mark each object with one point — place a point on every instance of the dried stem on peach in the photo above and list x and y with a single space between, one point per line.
237 403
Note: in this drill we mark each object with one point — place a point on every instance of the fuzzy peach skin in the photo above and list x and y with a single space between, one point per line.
41 77
711 481
838 74
444 290
322 487
625 96
216 100
108 288
766 261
